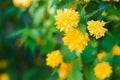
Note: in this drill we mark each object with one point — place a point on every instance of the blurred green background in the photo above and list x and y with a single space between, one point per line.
27 34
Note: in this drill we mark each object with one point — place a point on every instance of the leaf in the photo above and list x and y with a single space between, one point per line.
88 54
116 61
82 27
34 34
54 2
49 45
16 33
82 15
67 55
38 15
89 73
75 73
93 13
64 4
29 74
25 35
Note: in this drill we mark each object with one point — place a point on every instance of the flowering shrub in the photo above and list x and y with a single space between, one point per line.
60 40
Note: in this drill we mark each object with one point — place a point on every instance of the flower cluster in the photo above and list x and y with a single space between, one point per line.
96 28
103 70
54 58
67 21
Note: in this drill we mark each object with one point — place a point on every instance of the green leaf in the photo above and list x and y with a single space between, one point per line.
82 15
93 13
67 55
82 27
54 2
89 73
49 45
88 54
64 4
75 73
34 34
38 15
25 35
29 74
16 33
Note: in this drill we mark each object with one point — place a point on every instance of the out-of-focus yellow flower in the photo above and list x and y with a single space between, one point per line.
116 50
96 28
67 20
4 76
65 68
87 1
102 70
75 40
3 63
22 3
54 58
26 3
101 55
104 13
77 0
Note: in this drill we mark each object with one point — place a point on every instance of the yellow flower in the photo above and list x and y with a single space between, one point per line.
87 0
104 13
101 55
65 68
54 58
75 40
116 50
4 76
26 3
103 70
96 28
67 20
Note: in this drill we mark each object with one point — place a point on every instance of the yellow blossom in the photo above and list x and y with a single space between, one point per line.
65 68
104 13
75 40
26 3
67 20
4 76
116 50
87 0
54 58
96 28
103 70
101 55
